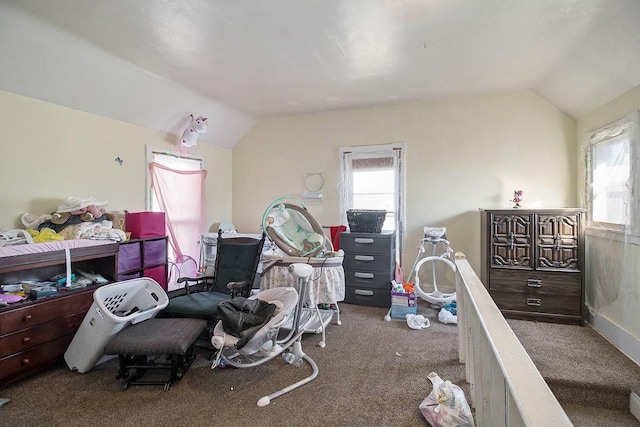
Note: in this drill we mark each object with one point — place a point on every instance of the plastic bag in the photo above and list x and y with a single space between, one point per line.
446 405
445 316
417 321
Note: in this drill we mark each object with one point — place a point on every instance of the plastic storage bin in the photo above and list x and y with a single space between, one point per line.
403 303
366 220
114 307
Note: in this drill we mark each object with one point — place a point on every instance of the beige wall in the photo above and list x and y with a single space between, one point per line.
51 152
462 155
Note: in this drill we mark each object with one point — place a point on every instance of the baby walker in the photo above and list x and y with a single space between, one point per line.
433 236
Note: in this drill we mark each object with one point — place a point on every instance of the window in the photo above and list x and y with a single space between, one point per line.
176 187
373 178
612 170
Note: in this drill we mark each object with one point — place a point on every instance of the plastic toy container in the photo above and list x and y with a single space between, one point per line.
114 307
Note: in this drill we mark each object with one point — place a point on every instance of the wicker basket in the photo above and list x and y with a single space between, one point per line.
365 220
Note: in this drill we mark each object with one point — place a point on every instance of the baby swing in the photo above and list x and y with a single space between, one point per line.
433 236
264 344
299 238
293 229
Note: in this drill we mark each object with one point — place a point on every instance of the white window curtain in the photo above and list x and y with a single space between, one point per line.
181 195
382 160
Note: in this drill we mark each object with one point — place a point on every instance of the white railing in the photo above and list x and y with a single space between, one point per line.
506 387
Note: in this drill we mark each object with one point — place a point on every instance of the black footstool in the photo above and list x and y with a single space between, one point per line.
169 338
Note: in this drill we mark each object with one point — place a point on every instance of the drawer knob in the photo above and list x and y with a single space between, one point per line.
534 302
363 275
25 361
27 317
26 339
534 283
364 258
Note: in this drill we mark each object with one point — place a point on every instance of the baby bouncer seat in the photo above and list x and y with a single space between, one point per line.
429 292
293 229
299 238
260 341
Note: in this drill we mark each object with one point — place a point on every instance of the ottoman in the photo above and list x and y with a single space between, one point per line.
158 344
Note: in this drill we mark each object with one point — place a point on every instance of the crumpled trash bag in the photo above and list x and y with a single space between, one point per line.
417 321
446 316
446 405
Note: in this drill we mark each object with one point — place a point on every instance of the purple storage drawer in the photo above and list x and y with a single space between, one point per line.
135 275
155 252
129 257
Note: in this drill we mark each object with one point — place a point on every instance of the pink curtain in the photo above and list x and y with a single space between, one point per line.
181 196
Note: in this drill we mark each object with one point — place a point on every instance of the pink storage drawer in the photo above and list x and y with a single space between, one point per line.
159 274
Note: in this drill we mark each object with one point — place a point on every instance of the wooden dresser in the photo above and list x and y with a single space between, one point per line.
533 263
35 334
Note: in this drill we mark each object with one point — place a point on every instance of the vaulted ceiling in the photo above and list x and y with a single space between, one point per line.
154 62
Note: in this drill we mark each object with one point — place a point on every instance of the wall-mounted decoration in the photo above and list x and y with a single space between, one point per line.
313 184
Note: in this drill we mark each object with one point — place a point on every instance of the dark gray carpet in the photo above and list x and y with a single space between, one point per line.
372 373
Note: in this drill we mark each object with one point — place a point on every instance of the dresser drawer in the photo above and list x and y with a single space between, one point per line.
536 283
30 360
538 303
368 262
32 337
363 295
368 279
368 243
32 315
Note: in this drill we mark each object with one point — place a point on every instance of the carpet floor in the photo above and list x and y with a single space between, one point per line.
372 373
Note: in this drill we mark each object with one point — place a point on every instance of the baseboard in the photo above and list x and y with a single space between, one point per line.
634 405
623 340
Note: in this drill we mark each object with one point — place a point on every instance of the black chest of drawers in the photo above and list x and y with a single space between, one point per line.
369 266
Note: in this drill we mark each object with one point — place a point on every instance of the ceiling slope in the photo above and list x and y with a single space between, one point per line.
154 62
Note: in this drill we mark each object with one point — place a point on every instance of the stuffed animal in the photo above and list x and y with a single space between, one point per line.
197 126
86 214
84 208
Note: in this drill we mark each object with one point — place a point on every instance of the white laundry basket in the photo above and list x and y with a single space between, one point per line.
114 307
